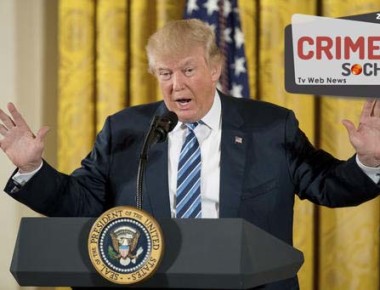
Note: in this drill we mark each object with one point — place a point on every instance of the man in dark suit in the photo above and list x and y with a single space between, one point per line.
253 155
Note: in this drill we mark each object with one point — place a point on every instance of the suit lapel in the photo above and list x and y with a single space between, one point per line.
156 181
232 159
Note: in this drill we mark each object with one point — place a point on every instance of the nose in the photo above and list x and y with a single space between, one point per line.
178 81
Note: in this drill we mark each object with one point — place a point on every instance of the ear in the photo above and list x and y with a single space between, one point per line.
216 70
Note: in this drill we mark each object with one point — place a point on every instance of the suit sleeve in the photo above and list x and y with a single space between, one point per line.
321 178
83 193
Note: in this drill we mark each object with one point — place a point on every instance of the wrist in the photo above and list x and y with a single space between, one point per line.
30 168
369 162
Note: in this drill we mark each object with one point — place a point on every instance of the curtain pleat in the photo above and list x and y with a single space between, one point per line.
76 85
249 23
111 58
274 16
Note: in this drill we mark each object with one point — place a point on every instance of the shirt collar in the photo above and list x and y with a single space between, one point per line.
212 118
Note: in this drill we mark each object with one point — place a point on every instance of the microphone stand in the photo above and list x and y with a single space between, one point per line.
143 161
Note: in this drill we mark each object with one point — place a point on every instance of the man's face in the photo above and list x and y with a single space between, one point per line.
188 84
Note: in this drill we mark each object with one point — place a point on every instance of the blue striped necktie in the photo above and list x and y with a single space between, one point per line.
188 197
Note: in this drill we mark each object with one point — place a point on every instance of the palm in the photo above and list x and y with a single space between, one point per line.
19 143
366 138
21 147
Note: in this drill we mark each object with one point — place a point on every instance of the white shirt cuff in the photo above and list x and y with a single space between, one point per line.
372 172
22 178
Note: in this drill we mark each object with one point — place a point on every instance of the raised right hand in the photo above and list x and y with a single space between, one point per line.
19 143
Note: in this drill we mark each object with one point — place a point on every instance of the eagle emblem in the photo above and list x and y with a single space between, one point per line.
124 243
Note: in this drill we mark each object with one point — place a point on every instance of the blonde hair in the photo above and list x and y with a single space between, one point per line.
178 36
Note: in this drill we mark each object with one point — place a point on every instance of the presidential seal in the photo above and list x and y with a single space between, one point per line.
125 245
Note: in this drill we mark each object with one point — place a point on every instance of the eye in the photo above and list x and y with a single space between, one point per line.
189 71
164 75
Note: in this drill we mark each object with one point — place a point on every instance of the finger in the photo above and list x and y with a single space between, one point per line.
17 117
42 133
3 130
7 121
367 109
376 109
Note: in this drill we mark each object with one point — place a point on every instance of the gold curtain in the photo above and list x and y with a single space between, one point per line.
103 68
111 58
274 17
76 88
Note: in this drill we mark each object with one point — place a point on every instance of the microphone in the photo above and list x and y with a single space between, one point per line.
160 126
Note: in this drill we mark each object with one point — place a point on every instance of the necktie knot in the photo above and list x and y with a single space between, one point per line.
192 126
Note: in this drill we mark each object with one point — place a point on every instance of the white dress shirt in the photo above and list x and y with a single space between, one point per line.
208 133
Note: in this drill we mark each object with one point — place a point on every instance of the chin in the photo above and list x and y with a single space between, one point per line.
188 116
187 119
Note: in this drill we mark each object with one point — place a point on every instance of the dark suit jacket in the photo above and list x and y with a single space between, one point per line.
258 179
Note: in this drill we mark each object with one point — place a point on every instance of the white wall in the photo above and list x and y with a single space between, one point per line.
28 77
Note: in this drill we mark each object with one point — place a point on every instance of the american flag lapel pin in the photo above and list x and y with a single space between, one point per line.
238 140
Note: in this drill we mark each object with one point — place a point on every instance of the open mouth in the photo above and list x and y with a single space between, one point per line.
183 101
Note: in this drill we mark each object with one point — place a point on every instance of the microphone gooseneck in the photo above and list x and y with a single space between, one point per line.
158 132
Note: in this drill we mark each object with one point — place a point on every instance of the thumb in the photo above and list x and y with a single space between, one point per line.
42 133
350 127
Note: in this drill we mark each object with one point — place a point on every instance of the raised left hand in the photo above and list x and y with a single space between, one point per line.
366 138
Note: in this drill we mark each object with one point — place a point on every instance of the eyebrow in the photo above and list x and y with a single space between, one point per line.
186 63
189 62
